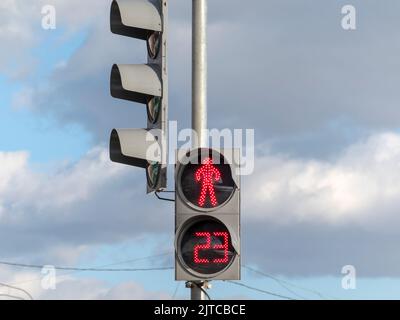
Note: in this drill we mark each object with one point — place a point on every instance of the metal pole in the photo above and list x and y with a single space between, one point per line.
197 289
196 293
199 99
199 73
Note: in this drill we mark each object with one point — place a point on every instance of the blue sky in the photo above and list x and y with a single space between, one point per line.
46 139
324 107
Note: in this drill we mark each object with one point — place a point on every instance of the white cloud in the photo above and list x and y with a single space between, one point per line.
348 201
92 289
21 32
348 189
12 165
312 217
69 185
77 205
70 287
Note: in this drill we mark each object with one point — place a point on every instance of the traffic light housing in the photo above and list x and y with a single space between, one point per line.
145 84
207 220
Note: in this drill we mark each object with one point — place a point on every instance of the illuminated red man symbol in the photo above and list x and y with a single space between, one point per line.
207 174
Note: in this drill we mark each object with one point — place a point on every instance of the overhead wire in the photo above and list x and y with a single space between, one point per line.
11 296
105 268
36 266
162 198
16 288
33 266
284 283
277 295
176 290
100 267
97 269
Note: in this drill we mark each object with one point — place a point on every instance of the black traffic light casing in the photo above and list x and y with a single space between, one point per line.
207 219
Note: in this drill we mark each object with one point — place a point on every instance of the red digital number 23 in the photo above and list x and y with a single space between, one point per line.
207 246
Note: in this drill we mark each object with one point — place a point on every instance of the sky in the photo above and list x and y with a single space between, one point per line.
324 103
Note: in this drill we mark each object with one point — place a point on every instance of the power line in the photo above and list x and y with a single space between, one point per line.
282 282
176 290
36 266
100 267
16 288
260 290
104 269
11 296
162 198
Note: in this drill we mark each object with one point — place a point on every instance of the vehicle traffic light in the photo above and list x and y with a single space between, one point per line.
146 84
207 219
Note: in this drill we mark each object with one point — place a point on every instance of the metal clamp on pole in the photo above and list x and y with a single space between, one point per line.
198 290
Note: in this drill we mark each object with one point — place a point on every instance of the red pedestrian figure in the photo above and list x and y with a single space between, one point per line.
207 174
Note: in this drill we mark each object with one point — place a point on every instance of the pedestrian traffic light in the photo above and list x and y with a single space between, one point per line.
145 84
207 220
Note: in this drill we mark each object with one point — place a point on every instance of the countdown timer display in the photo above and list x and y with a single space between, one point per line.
207 182
206 247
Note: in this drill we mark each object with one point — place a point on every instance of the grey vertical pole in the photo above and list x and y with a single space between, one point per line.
196 293
199 96
199 72
197 289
